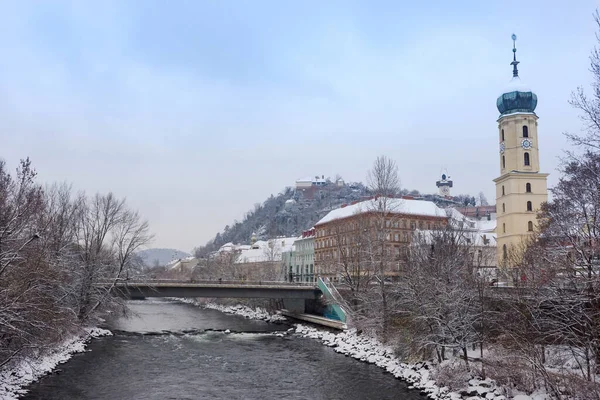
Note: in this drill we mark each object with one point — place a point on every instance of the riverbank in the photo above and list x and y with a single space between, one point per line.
257 313
369 350
13 379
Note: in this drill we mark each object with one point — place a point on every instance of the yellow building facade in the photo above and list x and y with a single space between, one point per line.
521 188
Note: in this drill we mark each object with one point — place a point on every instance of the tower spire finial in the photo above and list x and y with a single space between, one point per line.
515 62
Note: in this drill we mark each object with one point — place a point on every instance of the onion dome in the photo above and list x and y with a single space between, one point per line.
517 97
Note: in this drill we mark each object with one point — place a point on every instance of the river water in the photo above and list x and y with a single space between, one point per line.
170 350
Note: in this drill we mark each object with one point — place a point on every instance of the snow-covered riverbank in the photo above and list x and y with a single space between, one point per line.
367 349
257 313
14 379
418 375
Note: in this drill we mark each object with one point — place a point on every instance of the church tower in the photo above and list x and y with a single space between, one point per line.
521 188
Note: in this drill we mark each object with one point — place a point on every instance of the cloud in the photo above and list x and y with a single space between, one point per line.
196 111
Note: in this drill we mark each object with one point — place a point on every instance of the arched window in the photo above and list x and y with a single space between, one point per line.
503 207
525 131
529 207
528 187
530 226
526 158
503 162
504 252
503 135
502 190
503 227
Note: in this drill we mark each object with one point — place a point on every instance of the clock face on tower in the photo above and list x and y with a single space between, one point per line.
526 144
502 147
445 190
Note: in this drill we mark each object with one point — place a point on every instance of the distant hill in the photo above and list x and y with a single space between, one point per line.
153 257
294 210
287 214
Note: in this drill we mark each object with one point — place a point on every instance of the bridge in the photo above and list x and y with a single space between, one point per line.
297 297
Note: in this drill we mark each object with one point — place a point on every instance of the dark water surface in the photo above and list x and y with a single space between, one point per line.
208 364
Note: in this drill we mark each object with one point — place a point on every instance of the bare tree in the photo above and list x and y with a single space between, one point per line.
589 105
383 179
438 294
55 248
481 199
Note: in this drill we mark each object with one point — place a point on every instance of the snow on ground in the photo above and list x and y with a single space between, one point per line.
245 311
257 313
367 349
370 350
14 379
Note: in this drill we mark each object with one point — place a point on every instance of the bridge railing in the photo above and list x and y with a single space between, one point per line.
151 282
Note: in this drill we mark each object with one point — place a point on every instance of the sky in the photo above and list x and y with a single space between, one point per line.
195 110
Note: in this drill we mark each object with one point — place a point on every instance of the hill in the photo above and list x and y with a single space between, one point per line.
154 257
287 214
295 210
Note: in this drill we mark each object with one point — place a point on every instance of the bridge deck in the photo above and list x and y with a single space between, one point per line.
225 289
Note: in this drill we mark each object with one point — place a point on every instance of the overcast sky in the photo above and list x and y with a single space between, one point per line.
196 110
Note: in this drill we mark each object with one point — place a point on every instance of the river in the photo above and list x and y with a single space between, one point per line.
171 350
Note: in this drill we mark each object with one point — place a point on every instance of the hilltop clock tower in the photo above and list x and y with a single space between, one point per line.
521 188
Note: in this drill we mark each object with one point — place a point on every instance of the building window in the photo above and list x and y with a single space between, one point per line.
504 252
525 131
503 135
529 207
503 162
528 187
502 190
503 207
526 158
503 227
530 226
396 237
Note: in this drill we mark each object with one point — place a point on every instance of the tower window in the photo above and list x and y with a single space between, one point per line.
525 131
503 207
526 158
528 187
503 162
503 227
502 190
503 135
529 207
530 226
504 252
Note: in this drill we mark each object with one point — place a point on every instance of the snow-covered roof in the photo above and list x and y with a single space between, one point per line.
474 238
315 179
184 263
179 260
480 225
261 250
483 225
309 179
515 85
393 205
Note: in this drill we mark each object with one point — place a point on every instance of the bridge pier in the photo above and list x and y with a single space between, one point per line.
295 305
